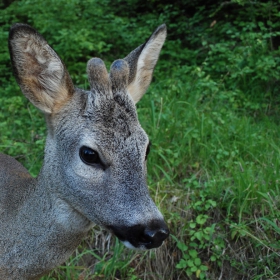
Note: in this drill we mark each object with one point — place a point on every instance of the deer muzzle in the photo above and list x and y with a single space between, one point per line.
142 236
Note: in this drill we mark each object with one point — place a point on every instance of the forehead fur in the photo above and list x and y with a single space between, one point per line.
111 119
117 114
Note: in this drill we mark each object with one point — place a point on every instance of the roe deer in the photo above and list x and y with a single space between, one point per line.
94 168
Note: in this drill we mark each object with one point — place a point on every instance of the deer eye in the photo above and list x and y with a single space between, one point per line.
148 150
89 156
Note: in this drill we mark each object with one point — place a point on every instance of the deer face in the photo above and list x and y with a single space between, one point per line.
103 163
96 150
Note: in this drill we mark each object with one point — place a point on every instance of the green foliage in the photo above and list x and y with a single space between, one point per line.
200 234
212 114
27 145
115 265
109 266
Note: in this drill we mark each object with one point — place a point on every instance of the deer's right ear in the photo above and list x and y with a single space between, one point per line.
39 71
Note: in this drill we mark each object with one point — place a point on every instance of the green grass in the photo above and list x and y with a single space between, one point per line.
214 173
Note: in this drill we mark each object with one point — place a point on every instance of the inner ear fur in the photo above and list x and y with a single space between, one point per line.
39 71
142 62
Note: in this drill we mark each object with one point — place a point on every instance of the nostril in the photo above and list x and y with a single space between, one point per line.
159 234
154 238
149 233
165 231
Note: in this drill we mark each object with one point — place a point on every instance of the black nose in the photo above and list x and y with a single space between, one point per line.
143 236
153 238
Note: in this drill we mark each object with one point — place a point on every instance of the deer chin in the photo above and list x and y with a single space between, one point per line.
128 245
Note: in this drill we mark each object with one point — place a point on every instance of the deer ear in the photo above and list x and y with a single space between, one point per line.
142 62
39 71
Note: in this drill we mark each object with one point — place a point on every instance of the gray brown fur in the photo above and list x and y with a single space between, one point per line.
44 219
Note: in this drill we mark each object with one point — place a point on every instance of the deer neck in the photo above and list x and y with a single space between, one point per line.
57 211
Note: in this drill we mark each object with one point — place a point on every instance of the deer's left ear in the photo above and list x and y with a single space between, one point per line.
39 71
142 62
